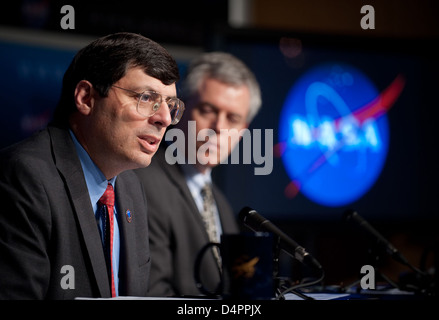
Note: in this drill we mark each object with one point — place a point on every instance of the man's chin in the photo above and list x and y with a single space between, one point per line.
144 161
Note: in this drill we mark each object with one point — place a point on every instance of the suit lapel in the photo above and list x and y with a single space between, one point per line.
174 173
69 167
227 217
128 259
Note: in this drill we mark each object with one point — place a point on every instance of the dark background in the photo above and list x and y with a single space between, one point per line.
402 205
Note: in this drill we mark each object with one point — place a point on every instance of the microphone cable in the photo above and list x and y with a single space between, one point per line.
293 289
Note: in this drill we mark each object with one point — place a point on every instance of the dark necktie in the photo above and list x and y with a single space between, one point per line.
209 219
106 203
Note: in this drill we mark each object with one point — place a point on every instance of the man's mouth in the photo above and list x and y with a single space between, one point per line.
149 142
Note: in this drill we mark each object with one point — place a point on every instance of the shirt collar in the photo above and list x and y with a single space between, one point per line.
94 178
196 177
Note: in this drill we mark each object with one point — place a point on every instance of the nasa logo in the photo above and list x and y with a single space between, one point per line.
334 133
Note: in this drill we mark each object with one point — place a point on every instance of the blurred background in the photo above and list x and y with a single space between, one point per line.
363 139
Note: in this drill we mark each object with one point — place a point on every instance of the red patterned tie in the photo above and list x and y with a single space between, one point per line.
107 200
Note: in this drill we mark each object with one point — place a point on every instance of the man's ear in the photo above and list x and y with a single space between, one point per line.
84 97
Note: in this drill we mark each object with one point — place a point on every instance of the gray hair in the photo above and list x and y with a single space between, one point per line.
225 68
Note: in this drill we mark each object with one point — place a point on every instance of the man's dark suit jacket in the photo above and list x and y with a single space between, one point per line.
47 222
176 230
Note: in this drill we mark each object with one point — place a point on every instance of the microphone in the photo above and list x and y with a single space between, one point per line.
256 222
352 215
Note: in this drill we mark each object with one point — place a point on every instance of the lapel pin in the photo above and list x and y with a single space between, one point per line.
129 216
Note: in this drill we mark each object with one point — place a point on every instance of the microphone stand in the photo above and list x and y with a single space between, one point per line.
277 280
375 254
374 258
382 247
280 295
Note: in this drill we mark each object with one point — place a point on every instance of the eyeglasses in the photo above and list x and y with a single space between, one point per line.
149 103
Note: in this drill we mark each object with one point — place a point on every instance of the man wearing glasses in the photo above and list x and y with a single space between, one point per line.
73 217
187 210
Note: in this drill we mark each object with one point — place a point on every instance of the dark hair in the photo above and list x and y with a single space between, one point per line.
106 60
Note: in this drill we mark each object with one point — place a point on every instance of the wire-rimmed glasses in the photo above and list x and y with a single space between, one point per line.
149 103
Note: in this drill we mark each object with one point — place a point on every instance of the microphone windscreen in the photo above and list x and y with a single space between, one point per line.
349 214
251 218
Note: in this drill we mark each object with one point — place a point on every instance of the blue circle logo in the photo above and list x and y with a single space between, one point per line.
334 134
